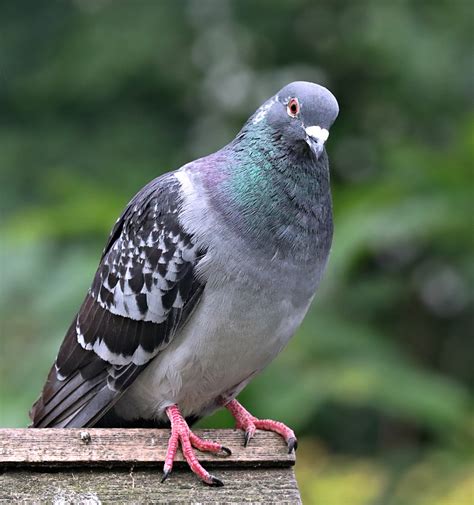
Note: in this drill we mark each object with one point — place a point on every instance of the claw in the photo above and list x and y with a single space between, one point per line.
248 437
166 474
215 482
227 451
292 444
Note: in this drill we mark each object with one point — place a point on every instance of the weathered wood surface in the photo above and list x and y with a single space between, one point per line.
142 485
132 446
92 466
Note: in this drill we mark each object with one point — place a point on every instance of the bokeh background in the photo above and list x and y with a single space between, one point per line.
98 97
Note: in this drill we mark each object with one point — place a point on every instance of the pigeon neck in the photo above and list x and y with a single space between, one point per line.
269 173
272 191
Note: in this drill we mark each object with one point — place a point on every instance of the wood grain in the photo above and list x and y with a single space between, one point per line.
124 466
52 446
142 485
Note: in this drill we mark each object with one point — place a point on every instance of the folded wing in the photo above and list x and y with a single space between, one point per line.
143 291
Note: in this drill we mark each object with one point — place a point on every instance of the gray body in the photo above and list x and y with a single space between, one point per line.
253 303
205 277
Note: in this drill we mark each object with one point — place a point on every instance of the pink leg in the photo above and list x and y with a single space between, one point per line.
180 433
244 420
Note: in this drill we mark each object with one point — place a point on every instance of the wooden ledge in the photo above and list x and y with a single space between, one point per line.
99 465
115 446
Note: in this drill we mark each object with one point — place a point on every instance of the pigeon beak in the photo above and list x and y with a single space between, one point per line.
315 138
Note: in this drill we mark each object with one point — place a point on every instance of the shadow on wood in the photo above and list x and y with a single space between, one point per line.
125 465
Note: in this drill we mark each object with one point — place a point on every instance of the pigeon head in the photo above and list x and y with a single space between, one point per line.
302 113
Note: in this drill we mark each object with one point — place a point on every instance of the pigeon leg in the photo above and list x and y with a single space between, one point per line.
245 421
181 434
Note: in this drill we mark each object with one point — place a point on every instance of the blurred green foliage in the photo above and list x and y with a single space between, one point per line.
98 97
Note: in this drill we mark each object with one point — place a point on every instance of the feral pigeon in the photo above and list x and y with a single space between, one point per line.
205 277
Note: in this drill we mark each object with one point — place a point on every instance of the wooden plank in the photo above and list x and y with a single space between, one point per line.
99 446
142 485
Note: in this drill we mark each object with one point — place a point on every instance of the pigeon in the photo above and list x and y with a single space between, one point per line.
204 279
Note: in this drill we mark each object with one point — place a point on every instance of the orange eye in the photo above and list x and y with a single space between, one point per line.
293 107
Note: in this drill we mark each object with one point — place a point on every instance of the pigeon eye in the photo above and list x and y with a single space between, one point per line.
293 107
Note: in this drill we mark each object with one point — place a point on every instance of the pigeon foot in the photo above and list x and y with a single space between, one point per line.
245 421
181 434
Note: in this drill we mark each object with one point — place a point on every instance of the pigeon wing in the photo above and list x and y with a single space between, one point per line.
143 291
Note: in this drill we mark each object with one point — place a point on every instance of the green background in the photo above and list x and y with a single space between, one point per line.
98 97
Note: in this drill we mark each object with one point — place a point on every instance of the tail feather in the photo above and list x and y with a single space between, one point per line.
68 401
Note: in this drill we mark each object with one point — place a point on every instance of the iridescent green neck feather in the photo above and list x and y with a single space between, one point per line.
272 191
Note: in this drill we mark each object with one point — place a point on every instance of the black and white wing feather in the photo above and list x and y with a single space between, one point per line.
143 291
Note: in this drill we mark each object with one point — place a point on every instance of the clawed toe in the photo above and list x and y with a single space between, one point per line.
247 422
181 434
